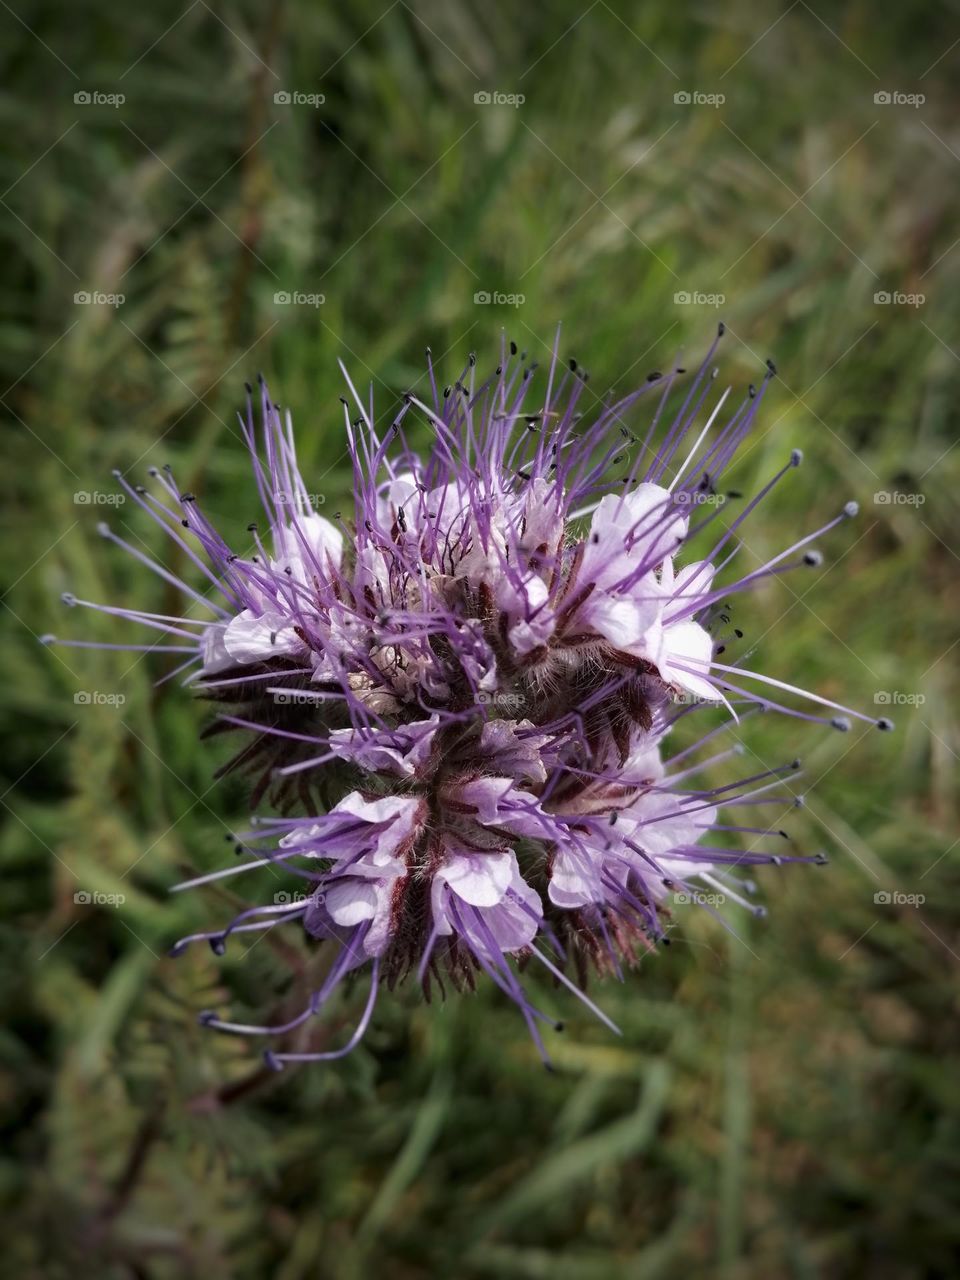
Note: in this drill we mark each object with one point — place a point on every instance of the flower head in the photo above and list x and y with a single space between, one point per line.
460 700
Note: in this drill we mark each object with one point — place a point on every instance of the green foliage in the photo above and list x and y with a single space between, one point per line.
783 1100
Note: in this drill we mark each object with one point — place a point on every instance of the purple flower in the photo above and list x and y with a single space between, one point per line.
460 701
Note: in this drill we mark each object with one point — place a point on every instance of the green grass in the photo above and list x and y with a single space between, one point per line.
781 1108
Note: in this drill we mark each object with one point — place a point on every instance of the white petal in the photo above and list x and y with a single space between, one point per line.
481 879
687 642
213 650
351 902
694 579
574 881
252 639
323 538
514 922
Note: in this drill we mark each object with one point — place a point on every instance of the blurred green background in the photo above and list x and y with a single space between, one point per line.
783 1102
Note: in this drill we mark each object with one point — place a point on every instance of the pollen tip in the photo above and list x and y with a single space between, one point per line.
799 801
721 329
771 368
841 723
103 529
796 763
759 912
218 946
885 725
271 1060
68 598
206 1016
821 859
796 457
851 509
117 473
813 558
48 639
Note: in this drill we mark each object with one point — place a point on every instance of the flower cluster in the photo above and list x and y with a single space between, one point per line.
458 702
